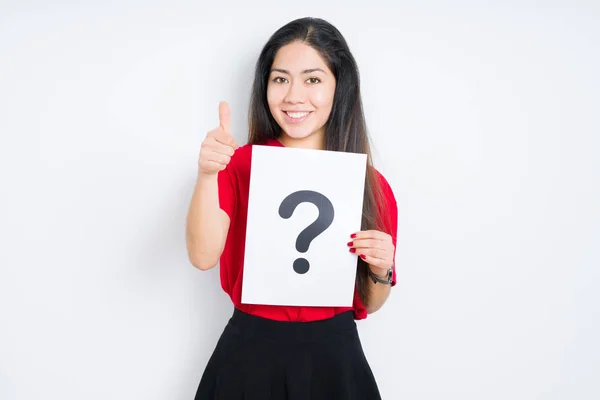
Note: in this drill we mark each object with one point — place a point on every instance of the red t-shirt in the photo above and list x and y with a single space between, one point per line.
234 186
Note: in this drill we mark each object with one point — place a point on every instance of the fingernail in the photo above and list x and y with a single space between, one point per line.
352 250
350 244
363 256
353 235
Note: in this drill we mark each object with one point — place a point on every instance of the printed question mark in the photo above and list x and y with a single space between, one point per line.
323 221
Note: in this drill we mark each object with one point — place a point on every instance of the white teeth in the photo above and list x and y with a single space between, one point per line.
297 114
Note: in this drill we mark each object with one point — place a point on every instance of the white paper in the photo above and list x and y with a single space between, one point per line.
269 276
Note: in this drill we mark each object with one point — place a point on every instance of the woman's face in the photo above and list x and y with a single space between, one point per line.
300 93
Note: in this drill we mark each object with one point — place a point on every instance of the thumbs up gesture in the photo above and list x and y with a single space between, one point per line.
218 146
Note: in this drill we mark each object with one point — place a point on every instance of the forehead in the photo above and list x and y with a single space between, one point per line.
297 56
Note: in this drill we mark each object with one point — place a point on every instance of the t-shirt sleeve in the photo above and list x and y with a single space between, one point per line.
389 217
227 194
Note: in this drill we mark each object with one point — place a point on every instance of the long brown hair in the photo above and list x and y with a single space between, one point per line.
345 129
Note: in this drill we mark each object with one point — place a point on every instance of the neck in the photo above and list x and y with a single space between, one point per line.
315 141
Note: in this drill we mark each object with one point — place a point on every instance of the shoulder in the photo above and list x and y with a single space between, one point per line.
243 154
386 188
243 151
241 157
387 206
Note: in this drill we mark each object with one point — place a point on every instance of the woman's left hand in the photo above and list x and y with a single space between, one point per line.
376 248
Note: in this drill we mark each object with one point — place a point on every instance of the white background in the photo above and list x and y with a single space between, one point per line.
485 120
270 251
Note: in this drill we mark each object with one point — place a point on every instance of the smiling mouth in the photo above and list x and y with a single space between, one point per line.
297 116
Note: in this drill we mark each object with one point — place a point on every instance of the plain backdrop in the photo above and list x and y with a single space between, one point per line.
484 118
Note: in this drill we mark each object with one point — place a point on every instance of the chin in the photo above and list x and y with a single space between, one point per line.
297 135
296 131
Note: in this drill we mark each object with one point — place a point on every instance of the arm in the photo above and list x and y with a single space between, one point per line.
207 224
378 249
378 293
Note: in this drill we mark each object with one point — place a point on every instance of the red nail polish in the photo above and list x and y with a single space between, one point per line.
363 256
353 250
350 244
353 235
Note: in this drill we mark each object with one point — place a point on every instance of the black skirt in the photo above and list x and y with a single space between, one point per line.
262 359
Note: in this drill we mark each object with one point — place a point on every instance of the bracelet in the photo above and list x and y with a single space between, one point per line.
386 281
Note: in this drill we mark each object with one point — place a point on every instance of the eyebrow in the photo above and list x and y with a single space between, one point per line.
306 71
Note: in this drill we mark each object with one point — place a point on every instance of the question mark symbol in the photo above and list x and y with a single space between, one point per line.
323 221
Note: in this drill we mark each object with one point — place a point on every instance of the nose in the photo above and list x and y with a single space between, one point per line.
296 93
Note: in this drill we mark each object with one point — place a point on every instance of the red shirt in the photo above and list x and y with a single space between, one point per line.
234 186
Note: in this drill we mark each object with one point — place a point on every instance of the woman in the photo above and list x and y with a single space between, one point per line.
306 94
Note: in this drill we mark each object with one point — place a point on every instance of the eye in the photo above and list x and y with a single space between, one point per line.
279 79
314 80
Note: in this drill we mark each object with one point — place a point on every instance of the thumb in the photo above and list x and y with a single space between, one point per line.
224 116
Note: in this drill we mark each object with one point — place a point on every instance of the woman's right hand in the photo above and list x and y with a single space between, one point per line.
218 146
